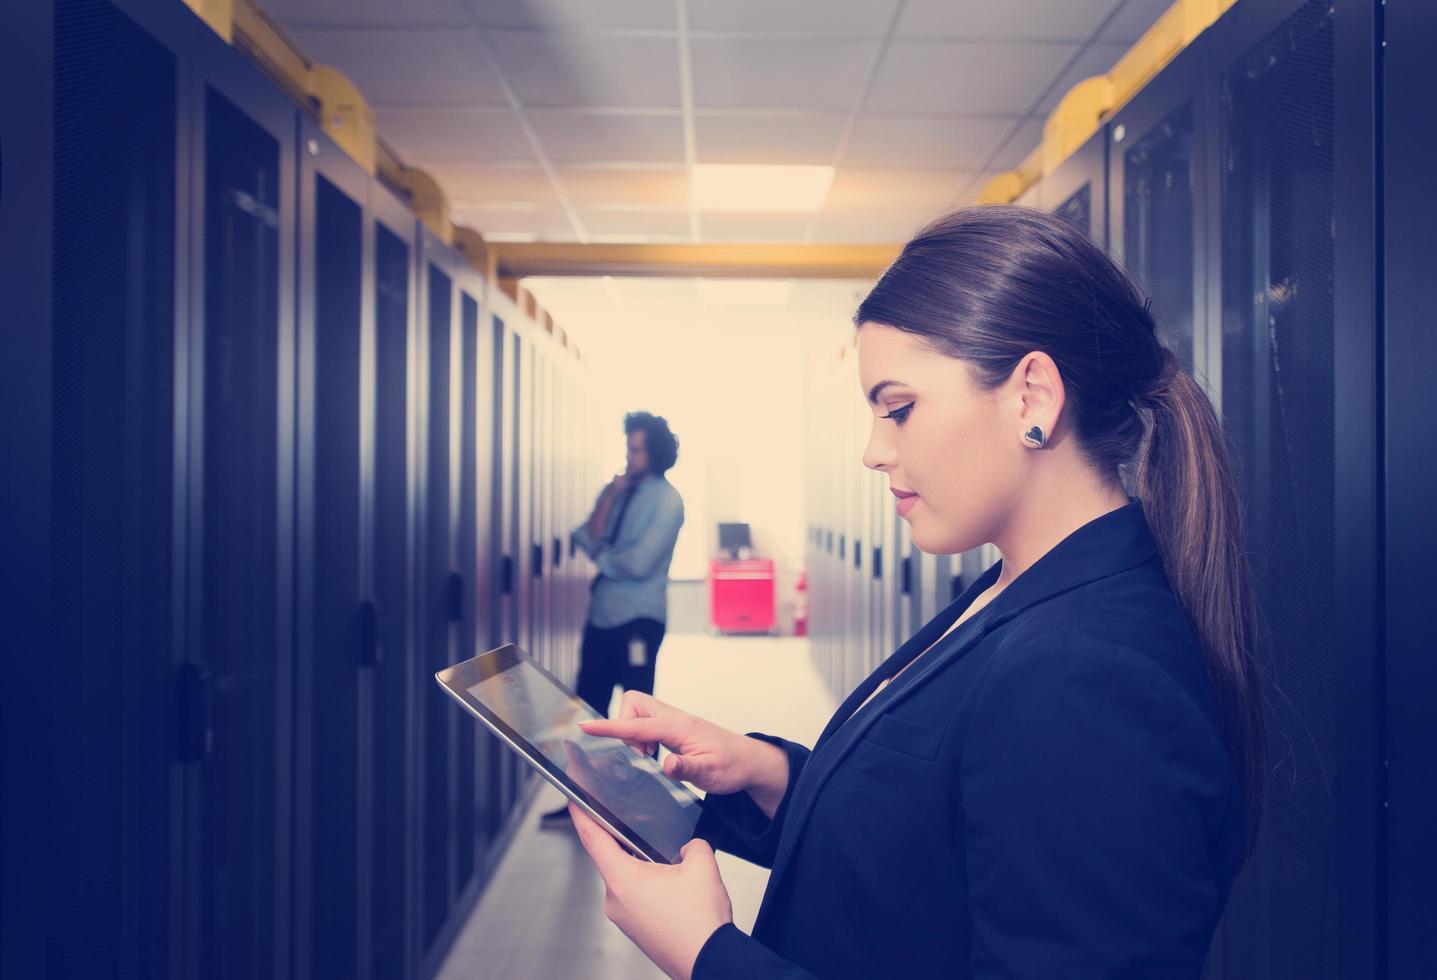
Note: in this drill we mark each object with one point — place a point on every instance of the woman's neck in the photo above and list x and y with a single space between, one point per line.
1042 520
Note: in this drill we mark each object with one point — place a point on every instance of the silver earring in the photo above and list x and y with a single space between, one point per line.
1035 438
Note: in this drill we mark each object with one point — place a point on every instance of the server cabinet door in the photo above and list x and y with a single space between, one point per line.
523 483
474 573
504 485
441 600
1410 75
333 687
102 368
243 479
1278 369
1155 172
508 421
395 936
543 414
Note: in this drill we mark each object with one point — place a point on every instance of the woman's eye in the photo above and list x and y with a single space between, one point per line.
899 414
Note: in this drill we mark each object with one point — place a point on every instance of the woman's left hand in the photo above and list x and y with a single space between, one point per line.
668 910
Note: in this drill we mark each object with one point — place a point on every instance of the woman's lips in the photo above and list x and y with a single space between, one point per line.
906 501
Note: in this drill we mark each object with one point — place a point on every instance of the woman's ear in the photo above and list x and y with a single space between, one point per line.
1039 387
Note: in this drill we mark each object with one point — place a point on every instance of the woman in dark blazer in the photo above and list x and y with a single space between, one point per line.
1059 774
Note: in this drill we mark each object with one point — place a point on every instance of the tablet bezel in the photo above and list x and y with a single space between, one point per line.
457 680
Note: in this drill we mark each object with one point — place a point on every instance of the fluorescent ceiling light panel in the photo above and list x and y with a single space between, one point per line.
760 187
744 292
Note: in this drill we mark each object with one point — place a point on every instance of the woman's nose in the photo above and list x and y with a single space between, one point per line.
878 454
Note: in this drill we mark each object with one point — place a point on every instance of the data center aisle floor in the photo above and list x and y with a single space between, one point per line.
542 917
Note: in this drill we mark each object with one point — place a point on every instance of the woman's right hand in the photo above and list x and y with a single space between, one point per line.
714 759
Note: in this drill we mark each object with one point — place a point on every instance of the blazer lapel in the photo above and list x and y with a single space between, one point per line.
900 658
1111 544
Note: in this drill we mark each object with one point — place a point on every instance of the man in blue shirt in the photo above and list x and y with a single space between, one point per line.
630 536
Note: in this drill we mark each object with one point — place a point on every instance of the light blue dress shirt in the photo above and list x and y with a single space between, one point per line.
634 567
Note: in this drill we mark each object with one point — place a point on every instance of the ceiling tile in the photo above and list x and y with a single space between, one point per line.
571 14
352 13
1134 19
740 226
589 69
886 225
660 187
453 134
963 79
1021 20
959 142
667 224
779 74
573 137
859 189
782 139
544 223
1017 147
415 67
471 185
1095 60
653 291
865 18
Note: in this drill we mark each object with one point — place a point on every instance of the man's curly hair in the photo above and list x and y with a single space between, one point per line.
663 445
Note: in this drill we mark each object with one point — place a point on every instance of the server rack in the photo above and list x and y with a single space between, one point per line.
334 689
1156 189
257 396
240 484
395 531
1405 239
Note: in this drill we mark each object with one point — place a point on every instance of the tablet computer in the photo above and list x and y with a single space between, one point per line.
537 716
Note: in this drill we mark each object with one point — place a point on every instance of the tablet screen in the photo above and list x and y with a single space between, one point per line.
628 789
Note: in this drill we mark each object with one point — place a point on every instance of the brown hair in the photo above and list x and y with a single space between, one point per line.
989 285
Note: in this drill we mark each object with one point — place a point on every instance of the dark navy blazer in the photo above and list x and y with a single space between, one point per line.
1046 794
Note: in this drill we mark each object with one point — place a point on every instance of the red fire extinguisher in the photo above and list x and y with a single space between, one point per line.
800 606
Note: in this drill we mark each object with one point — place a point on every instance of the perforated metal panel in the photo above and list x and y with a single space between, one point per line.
107 672
240 610
1158 226
332 656
391 580
435 612
1278 403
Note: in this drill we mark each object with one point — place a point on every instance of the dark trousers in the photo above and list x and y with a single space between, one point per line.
604 661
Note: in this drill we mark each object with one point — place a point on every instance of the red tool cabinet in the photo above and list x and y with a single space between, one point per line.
741 595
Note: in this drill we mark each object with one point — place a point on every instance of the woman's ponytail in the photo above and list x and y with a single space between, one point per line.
1183 476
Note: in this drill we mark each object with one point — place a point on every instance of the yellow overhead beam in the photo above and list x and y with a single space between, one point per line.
1086 105
517 260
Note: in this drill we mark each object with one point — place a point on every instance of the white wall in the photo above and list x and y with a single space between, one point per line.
730 381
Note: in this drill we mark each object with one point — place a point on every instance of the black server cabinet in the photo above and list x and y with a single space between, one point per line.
397 677
476 751
507 488
240 505
1156 222
105 663
440 590
1278 407
1292 270
465 559
539 547
334 685
1409 295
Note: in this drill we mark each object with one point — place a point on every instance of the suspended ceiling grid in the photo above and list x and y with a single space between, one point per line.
581 120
